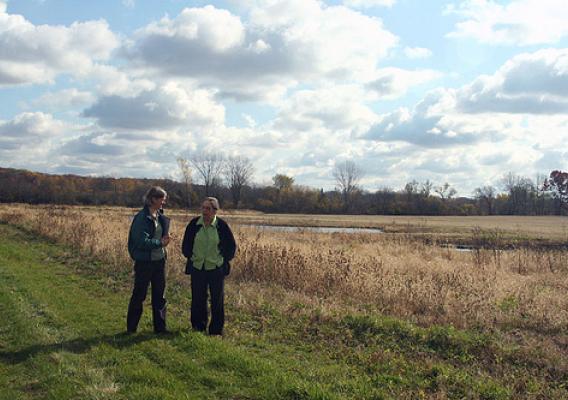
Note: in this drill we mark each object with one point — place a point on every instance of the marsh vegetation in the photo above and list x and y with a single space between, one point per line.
515 296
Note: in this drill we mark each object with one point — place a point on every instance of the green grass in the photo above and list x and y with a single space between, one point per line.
62 338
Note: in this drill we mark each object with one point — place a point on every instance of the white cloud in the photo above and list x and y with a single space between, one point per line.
390 83
95 145
252 139
64 99
523 127
334 41
369 3
417 52
164 108
520 22
210 27
36 54
251 123
281 43
528 84
129 3
428 127
112 81
552 160
109 154
337 108
26 139
260 46
30 124
320 71
531 83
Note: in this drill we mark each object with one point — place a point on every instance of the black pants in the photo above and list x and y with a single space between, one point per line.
201 282
145 273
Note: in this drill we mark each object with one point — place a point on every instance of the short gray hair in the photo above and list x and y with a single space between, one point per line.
155 192
213 201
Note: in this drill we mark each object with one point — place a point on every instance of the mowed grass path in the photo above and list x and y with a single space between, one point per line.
62 337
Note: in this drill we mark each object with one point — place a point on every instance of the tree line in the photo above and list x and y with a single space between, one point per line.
231 180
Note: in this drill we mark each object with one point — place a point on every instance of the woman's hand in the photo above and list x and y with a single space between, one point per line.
165 240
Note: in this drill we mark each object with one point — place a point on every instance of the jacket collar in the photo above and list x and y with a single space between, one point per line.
147 213
201 222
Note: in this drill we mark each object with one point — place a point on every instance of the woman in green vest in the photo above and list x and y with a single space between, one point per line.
209 246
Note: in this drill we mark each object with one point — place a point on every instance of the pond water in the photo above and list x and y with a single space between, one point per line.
464 248
318 229
327 229
459 247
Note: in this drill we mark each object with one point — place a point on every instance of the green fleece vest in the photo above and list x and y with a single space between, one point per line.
206 254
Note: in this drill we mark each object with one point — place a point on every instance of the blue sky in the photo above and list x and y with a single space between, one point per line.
460 91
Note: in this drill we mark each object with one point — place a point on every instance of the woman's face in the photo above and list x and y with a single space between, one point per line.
207 210
157 202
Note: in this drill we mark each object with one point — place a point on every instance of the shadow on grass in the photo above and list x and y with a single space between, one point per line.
119 340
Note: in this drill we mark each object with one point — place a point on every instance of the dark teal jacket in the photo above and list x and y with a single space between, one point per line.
140 237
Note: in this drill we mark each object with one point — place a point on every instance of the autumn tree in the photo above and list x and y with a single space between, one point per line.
282 192
282 182
557 185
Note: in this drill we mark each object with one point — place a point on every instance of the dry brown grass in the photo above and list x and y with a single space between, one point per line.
543 227
392 274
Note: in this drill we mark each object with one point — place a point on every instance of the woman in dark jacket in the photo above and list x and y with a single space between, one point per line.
209 246
147 242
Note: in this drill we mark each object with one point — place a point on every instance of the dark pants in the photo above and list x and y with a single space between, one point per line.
145 273
201 282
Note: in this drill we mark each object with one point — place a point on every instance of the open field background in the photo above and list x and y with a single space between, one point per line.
413 318
546 226
550 227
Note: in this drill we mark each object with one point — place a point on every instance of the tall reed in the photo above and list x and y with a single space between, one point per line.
393 274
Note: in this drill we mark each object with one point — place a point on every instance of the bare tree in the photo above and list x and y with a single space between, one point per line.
486 196
238 172
411 193
519 190
209 167
411 189
347 176
187 181
540 193
426 188
385 198
445 191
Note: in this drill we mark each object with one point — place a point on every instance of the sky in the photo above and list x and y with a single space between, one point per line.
456 91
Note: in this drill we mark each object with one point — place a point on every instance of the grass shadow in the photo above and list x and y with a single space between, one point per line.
119 340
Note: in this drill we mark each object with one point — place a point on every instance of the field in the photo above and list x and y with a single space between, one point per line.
402 314
550 228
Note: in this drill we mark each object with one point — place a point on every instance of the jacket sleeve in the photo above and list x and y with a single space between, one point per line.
188 237
230 245
165 222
